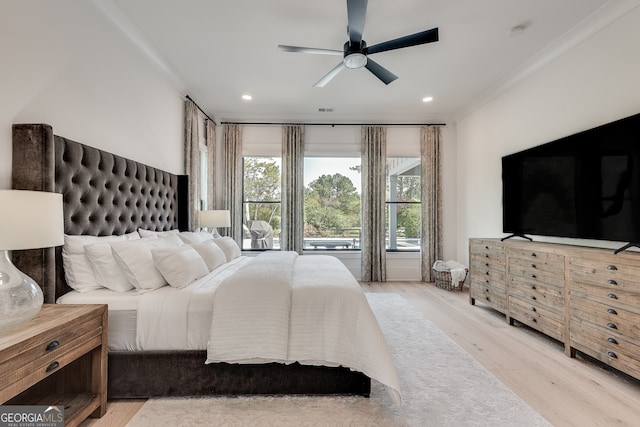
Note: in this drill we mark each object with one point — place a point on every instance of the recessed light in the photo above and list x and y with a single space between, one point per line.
427 99
247 97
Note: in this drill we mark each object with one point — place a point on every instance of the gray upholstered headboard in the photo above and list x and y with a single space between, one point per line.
104 194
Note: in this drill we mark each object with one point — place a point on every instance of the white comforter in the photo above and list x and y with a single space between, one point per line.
277 307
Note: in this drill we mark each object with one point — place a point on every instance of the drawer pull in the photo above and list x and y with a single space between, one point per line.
533 254
612 311
486 290
52 345
613 341
486 273
612 296
533 297
533 276
612 355
486 255
612 282
612 326
486 264
488 299
53 366
487 281
533 287
533 266
533 319
612 267
486 247
533 309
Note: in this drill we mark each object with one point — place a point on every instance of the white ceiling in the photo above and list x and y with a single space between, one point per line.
219 50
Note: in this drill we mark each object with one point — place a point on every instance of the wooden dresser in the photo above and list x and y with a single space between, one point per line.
60 359
587 298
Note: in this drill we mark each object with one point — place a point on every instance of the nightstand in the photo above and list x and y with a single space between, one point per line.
58 358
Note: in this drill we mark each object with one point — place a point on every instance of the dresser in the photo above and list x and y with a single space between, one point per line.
60 359
586 298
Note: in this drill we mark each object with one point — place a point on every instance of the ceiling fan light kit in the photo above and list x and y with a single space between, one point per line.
355 51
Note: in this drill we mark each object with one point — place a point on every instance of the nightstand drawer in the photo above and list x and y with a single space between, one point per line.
48 346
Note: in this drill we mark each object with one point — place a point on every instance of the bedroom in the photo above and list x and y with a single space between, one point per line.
580 85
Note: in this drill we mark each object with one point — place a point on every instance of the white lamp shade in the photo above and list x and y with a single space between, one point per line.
217 218
30 219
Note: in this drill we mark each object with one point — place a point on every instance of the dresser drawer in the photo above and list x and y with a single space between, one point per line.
537 293
607 317
606 272
608 346
537 261
549 322
489 294
611 296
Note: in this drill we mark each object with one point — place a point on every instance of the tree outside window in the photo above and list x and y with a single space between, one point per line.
403 204
261 203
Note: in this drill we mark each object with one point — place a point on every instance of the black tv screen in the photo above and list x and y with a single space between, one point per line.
586 185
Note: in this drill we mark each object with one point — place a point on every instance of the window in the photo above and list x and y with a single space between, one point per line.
403 204
332 203
261 203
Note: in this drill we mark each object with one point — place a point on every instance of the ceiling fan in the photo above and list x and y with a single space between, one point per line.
355 51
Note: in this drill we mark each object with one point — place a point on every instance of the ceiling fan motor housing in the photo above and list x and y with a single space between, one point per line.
354 54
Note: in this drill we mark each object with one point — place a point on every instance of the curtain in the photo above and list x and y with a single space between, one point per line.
232 190
292 217
192 159
374 164
431 199
210 130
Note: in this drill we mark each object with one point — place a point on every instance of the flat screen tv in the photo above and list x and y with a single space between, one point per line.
584 186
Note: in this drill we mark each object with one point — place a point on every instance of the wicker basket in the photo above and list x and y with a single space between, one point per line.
443 280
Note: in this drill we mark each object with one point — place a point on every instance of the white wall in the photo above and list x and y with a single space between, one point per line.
65 65
592 84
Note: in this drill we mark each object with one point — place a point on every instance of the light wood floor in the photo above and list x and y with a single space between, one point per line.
567 392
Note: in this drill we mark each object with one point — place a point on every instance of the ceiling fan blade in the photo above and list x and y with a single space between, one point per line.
423 37
380 72
356 12
330 75
300 49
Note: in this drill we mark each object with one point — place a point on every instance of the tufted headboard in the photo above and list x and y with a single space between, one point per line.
104 194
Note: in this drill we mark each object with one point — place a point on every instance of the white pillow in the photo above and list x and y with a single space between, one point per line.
154 234
136 260
78 271
179 265
107 271
211 254
229 247
192 238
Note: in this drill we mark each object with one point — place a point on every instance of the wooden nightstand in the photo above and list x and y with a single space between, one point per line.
58 358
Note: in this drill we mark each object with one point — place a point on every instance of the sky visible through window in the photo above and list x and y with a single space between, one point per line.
317 166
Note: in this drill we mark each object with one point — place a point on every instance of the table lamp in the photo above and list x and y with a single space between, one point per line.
28 220
215 219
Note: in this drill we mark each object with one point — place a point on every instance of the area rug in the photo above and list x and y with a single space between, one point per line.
442 385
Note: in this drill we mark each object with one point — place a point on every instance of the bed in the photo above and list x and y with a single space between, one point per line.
108 195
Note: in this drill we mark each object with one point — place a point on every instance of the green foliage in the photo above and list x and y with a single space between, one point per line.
331 205
262 184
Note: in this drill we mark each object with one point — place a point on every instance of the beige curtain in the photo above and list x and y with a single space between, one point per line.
431 187
292 217
191 159
210 129
374 163
232 190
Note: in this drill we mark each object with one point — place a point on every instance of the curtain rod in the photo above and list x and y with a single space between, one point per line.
201 110
332 124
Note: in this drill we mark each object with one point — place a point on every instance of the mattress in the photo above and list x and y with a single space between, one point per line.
123 307
123 314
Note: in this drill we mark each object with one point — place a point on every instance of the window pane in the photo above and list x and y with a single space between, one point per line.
403 203
332 203
261 207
